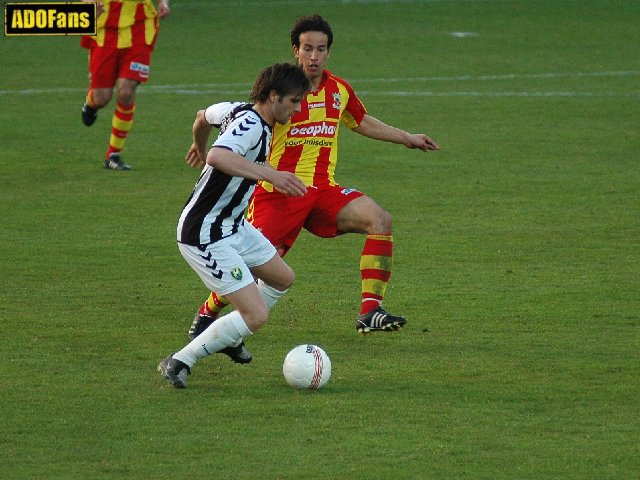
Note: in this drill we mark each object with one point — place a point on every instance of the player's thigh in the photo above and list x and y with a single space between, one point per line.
275 273
126 90
101 96
262 259
218 265
103 67
278 217
330 200
253 246
134 63
363 215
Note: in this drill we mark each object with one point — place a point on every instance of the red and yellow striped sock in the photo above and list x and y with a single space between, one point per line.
213 306
375 269
120 125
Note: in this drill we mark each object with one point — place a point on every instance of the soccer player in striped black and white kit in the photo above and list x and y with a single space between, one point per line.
226 251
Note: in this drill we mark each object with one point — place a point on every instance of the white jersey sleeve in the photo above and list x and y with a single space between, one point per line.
244 134
214 114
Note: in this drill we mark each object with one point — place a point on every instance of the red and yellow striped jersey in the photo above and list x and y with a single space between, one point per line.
125 23
308 144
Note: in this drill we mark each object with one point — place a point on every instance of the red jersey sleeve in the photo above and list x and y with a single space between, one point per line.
355 110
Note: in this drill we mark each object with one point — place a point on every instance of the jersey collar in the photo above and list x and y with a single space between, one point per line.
325 75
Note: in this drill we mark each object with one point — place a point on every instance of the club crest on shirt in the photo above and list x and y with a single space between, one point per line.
236 273
337 101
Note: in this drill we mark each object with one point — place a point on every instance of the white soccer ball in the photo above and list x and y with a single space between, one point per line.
307 367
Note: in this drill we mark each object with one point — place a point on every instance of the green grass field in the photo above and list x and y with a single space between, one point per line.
517 257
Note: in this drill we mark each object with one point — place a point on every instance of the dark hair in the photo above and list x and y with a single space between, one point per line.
284 78
310 23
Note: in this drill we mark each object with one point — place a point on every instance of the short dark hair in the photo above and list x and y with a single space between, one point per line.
310 23
284 78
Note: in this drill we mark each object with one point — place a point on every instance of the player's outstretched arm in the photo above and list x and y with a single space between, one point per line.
373 128
196 155
233 164
99 6
163 8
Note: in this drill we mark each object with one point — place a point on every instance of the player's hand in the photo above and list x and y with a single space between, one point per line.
194 157
163 9
422 142
289 184
99 6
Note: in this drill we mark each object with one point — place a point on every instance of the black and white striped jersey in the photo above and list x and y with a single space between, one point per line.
216 207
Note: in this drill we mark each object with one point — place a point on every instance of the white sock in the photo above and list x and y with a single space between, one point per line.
269 294
226 331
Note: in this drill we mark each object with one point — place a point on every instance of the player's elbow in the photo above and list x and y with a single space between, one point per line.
215 156
200 120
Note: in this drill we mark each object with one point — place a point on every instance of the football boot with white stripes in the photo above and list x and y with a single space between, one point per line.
175 371
239 353
378 320
200 324
114 162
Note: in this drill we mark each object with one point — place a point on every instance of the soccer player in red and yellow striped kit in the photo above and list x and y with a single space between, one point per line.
308 147
119 56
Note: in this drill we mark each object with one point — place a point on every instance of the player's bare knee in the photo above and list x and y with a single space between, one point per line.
289 281
125 97
126 93
285 281
255 317
380 222
101 99
386 221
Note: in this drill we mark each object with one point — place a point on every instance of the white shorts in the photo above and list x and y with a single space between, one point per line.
224 265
